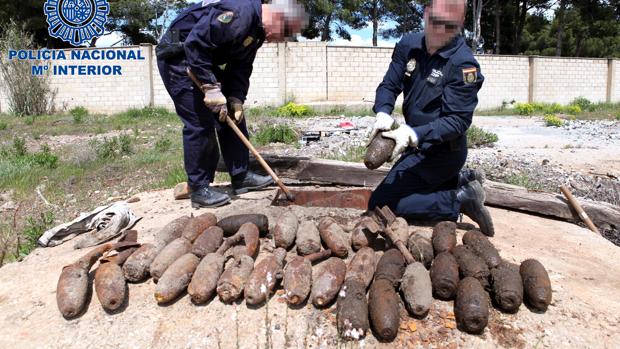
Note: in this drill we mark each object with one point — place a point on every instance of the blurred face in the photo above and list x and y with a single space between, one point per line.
443 20
277 29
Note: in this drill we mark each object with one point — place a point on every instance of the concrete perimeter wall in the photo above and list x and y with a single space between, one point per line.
315 72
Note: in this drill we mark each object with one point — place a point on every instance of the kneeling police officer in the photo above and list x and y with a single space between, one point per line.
218 40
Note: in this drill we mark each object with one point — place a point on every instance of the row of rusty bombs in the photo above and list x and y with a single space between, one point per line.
474 276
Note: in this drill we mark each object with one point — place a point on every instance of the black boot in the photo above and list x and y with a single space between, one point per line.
469 175
472 197
207 197
249 181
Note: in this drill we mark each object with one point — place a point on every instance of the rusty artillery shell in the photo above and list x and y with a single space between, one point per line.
352 309
176 278
445 276
383 308
110 286
472 265
197 225
231 283
208 242
536 284
171 231
264 277
421 248
232 224
507 287
168 255
249 234
379 151
362 266
297 280
391 266
308 238
417 290
444 237
333 236
136 267
327 279
400 227
285 230
361 236
480 245
73 283
471 307
204 282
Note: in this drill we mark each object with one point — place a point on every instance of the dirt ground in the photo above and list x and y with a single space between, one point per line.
585 312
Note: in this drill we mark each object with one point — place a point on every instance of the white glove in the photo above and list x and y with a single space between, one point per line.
404 136
383 122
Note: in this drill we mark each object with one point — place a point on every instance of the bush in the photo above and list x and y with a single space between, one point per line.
294 110
78 113
524 108
163 145
3 125
573 109
582 102
477 137
33 231
45 158
618 116
19 147
113 147
552 120
553 108
276 134
27 94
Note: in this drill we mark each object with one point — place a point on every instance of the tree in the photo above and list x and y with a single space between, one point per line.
560 30
408 16
329 17
477 6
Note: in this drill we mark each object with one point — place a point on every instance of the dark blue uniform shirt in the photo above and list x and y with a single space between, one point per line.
440 91
217 33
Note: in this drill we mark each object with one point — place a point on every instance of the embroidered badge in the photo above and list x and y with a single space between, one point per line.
248 41
435 76
226 17
411 66
470 75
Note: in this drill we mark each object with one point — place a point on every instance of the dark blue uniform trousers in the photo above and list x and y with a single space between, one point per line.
200 125
421 186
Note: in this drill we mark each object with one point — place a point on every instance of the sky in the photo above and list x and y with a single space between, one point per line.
361 37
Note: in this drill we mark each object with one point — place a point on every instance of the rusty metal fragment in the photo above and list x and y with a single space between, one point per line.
249 234
472 265
208 242
421 248
445 276
285 230
169 255
232 224
204 281
352 309
417 290
362 266
197 225
137 266
231 283
379 151
175 279
308 238
297 281
444 237
264 278
383 302
480 245
327 279
507 287
171 231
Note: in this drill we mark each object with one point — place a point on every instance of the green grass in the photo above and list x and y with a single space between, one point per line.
523 180
78 114
349 153
580 108
478 137
275 134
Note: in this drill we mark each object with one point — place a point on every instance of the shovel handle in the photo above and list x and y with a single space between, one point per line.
249 145
582 214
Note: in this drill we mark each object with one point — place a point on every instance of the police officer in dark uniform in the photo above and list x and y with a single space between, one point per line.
440 79
218 40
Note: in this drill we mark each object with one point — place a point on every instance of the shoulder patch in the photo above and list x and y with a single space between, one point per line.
226 17
470 75
248 41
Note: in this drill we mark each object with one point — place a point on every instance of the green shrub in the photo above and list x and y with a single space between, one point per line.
276 134
33 231
294 110
552 120
78 113
573 109
45 158
553 108
524 108
19 147
28 121
113 147
618 116
477 137
163 145
3 125
582 102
